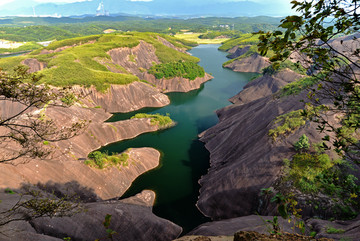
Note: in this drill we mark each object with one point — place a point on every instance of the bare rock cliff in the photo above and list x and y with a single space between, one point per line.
265 86
124 98
131 219
237 51
178 84
34 65
243 158
254 63
67 162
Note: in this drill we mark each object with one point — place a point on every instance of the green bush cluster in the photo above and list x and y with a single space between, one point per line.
315 172
332 230
69 99
156 119
289 122
302 144
296 87
101 160
287 64
185 69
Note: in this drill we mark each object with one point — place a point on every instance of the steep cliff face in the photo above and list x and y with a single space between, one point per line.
237 51
254 63
124 98
243 158
265 86
135 59
34 65
178 84
131 219
139 59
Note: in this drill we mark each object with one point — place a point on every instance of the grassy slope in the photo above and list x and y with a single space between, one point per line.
77 65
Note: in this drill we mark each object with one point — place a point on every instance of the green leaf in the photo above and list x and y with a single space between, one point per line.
106 223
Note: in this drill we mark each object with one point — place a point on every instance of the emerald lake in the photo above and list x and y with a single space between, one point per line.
184 159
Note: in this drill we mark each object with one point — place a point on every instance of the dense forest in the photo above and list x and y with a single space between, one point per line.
45 29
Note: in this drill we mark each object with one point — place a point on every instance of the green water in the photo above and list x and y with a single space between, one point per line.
184 158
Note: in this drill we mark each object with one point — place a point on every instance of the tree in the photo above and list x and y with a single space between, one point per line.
324 39
25 131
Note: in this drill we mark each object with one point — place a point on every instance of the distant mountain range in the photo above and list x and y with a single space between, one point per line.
156 7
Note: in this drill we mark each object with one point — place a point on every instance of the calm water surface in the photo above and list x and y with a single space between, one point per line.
184 158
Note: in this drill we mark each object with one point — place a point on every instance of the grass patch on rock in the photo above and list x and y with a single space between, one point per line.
163 121
101 160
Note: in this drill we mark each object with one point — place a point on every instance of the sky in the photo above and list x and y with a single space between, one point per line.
271 6
3 2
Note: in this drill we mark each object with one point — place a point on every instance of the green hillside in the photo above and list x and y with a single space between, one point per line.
80 64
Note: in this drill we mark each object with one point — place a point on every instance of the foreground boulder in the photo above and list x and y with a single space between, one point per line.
131 219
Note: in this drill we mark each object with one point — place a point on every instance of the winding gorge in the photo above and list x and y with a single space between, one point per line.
204 172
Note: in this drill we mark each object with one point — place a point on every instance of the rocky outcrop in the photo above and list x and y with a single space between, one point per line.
131 219
135 60
265 85
124 98
243 158
178 84
237 51
247 223
170 45
254 63
66 164
347 230
34 65
139 59
104 183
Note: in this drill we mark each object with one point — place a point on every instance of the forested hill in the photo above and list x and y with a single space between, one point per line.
102 60
43 29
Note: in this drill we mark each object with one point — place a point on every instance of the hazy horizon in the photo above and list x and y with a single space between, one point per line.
224 8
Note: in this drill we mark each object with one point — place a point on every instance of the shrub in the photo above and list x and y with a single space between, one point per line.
302 144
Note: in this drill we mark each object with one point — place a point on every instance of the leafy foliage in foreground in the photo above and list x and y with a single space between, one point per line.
188 70
28 133
327 58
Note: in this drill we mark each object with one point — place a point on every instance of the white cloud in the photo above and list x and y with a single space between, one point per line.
3 2
140 0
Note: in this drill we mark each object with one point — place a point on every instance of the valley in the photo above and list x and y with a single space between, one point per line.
175 140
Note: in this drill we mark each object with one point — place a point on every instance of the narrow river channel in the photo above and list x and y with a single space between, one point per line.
184 158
